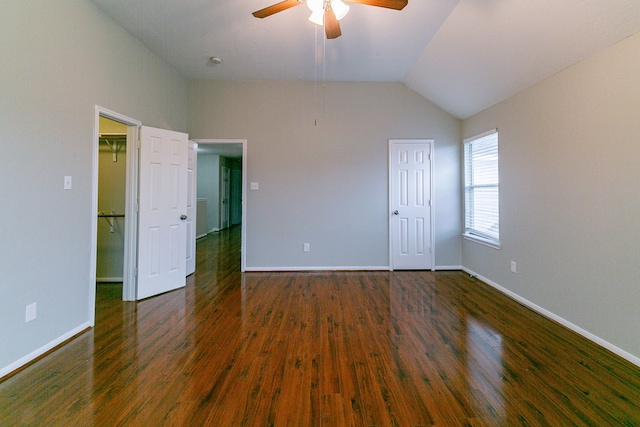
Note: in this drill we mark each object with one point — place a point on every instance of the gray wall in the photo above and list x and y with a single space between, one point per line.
59 59
320 156
569 195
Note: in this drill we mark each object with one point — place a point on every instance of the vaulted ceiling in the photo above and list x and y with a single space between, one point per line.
463 55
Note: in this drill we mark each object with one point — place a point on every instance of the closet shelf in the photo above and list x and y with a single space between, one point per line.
115 142
112 226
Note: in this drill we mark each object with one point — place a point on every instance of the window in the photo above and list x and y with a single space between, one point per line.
481 188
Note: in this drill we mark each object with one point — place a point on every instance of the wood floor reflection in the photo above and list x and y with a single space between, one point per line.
321 349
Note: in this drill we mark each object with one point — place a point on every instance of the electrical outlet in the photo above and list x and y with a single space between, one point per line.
514 267
31 312
306 247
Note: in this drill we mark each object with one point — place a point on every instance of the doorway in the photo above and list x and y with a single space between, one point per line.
112 174
128 222
163 193
233 153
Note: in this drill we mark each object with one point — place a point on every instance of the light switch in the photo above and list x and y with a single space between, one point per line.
31 312
67 182
254 186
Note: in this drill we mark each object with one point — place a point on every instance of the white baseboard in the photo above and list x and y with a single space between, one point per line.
448 267
42 350
347 268
546 313
333 268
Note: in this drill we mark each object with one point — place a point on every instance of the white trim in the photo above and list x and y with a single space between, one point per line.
546 313
130 281
243 241
326 268
432 209
42 350
480 135
448 267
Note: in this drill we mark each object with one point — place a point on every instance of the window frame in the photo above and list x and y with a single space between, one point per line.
471 233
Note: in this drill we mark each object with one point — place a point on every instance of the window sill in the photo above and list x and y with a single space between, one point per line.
481 240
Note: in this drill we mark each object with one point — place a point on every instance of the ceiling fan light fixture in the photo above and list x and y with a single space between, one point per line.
317 17
327 13
316 6
339 8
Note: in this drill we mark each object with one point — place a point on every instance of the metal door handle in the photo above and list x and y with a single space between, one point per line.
183 217
396 212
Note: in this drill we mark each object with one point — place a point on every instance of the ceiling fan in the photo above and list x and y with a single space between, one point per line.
328 12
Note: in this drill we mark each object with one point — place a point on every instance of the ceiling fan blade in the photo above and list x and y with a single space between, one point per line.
389 4
331 24
275 8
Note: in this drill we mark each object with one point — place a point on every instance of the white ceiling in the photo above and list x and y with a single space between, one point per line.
463 55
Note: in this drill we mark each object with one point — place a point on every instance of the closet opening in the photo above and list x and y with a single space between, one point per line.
112 179
114 200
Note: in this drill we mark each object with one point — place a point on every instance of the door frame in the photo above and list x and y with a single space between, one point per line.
192 205
430 143
130 214
243 225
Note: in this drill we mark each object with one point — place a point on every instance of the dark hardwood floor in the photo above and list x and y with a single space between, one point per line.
321 349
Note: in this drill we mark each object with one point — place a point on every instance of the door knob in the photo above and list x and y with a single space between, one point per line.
396 212
183 217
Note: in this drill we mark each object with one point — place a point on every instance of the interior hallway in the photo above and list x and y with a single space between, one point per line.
321 349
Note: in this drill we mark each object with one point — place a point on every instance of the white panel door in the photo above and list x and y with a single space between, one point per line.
411 234
192 164
162 237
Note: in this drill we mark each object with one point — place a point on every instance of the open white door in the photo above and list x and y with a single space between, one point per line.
411 226
192 164
162 240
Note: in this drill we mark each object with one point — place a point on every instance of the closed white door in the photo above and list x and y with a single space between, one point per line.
192 164
410 224
162 237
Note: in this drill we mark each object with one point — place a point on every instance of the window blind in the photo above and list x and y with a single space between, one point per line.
481 184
